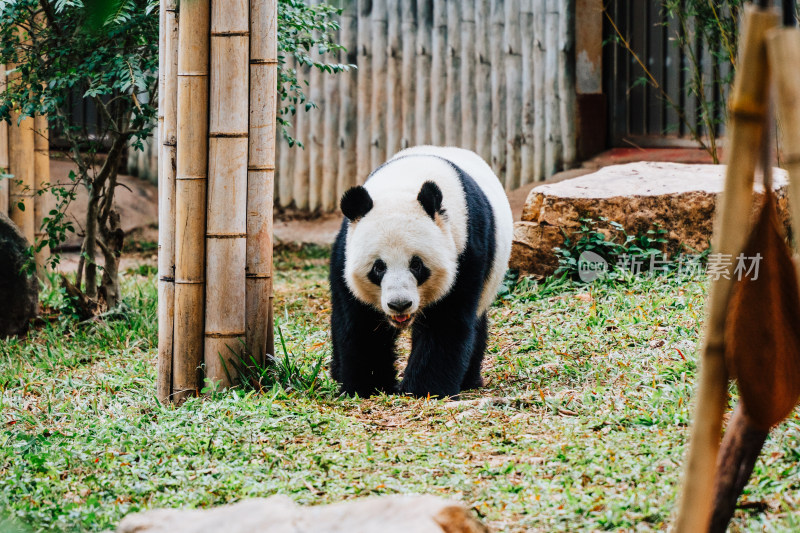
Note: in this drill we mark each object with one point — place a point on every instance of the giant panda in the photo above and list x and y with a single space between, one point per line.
424 244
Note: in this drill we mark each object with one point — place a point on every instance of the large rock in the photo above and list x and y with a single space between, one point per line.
19 293
278 514
680 198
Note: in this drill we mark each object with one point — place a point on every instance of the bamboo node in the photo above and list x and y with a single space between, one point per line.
263 61
244 33
261 168
189 282
258 276
224 334
224 135
226 235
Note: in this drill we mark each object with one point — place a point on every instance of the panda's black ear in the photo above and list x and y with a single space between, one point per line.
356 202
430 196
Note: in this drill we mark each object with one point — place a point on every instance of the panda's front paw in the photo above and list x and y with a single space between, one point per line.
425 390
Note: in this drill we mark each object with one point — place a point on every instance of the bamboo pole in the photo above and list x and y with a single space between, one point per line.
42 201
483 84
300 186
783 46
287 153
408 30
331 152
260 177
422 107
539 57
513 70
378 106
747 113
3 149
498 161
566 81
190 196
438 80
363 111
528 103
394 80
226 226
21 167
167 115
316 132
552 106
348 93
467 81
453 63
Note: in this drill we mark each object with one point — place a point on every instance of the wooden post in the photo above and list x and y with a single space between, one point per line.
566 81
438 80
348 93
190 197
287 154
168 122
422 108
300 189
467 81
330 148
498 161
3 149
783 46
552 105
364 164
408 31
42 201
513 69
260 177
483 84
539 56
21 167
748 107
378 107
316 132
226 233
453 63
528 43
394 80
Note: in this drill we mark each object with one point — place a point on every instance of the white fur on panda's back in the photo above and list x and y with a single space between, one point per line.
474 166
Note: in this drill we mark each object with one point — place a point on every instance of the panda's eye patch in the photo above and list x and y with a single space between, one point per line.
419 270
376 272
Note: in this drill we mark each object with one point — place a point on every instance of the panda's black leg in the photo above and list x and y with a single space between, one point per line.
363 350
472 379
440 350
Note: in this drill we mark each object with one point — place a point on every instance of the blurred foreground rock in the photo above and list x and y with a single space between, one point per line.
279 514
678 197
19 294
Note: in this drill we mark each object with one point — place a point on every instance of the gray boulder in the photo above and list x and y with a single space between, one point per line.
19 293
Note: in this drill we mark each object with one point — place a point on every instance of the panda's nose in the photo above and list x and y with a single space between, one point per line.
399 305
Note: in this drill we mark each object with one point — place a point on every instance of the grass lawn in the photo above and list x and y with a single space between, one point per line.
581 426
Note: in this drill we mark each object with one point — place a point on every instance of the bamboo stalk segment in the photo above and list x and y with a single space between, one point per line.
498 160
513 71
42 201
226 218
748 107
552 105
483 84
566 82
408 27
316 133
330 138
302 169
379 98
438 80
467 81
783 46
261 163
422 106
528 103
3 150
394 85
539 61
190 196
286 155
348 36
453 64
21 167
364 39
167 109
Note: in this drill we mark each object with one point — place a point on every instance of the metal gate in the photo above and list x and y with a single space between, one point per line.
662 110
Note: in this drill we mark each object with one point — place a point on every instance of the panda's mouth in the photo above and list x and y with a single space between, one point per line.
401 321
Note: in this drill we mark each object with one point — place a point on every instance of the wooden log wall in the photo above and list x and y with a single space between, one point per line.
494 76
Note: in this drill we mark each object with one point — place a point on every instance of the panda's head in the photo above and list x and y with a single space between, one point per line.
400 256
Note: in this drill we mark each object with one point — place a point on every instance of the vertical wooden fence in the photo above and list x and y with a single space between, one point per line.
494 76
